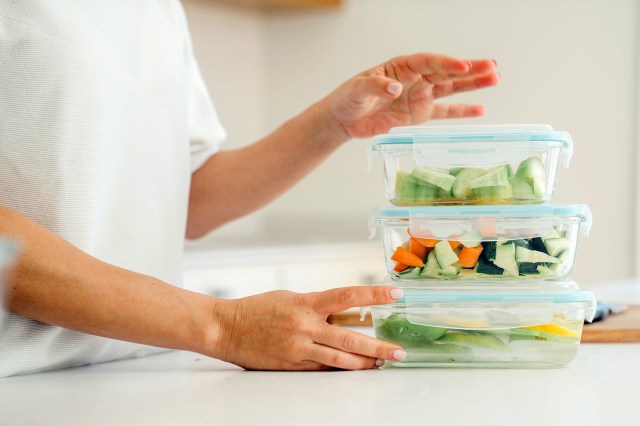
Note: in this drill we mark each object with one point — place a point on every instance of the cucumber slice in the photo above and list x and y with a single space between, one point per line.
506 258
521 189
461 188
456 170
398 329
431 267
556 246
498 176
534 173
434 177
493 193
485 266
524 255
409 189
445 254
463 338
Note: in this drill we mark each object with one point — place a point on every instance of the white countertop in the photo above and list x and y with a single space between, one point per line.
601 386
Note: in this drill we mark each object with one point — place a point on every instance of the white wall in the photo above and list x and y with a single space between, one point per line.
570 63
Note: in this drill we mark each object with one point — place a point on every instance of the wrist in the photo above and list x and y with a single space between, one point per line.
215 323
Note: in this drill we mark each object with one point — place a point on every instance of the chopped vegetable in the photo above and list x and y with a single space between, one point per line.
468 256
404 256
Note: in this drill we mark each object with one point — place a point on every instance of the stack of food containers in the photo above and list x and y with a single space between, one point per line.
483 259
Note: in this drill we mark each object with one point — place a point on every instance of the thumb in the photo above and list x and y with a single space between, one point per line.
379 86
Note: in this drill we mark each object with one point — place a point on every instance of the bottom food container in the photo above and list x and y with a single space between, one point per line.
514 329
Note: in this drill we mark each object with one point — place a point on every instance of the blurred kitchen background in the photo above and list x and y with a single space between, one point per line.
571 63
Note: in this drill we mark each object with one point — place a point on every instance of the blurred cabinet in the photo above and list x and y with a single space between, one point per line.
233 274
282 4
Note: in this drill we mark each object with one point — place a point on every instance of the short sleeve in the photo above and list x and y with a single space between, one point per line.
205 131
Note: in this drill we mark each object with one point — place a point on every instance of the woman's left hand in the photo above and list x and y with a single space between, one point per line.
404 91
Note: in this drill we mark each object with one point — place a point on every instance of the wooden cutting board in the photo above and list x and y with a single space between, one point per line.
618 328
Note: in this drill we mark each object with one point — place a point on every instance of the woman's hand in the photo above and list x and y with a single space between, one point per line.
282 330
404 90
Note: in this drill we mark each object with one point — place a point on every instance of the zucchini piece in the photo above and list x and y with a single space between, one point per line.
434 177
506 258
529 268
471 238
556 246
450 271
489 249
524 255
485 266
445 254
410 273
520 243
431 267
537 244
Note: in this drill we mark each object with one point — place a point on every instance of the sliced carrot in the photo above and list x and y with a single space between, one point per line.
468 256
400 267
418 249
454 244
404 256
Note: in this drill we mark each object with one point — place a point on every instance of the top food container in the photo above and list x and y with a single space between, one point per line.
453 165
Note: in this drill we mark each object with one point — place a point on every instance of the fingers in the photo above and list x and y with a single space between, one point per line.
458 85
343 360
341 299
355 343
379 86
457 111
439 68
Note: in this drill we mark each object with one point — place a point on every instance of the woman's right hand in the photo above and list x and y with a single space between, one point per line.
282 330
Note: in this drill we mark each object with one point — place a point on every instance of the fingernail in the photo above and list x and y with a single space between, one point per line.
394 88
399 355
495 62
396 293
379 362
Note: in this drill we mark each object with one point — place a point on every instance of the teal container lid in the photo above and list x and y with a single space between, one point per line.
482 133
519 210
414 295
427 138
553 212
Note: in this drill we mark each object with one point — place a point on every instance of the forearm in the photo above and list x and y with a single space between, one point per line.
234 183
58 284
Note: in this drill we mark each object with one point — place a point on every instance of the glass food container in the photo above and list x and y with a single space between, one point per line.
517 242
454 165
514 329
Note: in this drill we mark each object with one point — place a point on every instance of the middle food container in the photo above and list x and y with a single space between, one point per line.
524 242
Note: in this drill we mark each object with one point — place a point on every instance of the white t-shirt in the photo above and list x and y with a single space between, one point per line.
103 118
